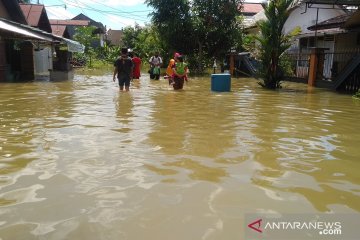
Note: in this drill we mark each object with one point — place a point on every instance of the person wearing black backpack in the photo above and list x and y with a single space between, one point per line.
155 64
123 69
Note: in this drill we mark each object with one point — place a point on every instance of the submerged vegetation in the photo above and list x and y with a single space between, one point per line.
273 42
357 95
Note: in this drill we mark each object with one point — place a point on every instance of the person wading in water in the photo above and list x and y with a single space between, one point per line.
123 69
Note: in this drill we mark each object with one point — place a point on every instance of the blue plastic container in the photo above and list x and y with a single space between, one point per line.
221 82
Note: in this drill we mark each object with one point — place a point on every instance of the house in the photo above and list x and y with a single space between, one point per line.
302 15
80 20
99 31
61 27
16 49
20 43
342 65
114 37
36 17
248 11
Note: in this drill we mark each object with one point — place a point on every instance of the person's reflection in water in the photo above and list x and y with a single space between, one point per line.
124 105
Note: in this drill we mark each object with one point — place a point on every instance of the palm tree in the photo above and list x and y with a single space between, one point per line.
273 42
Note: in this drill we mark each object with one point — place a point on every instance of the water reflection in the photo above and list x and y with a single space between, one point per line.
291 147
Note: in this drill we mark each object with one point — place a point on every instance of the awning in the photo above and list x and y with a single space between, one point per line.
73 46
334 2
322 32
9 29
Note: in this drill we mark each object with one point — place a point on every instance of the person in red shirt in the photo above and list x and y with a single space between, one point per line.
137 66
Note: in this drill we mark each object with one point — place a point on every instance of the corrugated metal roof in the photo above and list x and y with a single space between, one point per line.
334 22
14 30
334 2
323 32
10 29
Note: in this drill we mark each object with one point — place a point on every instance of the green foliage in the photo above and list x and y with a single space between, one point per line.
85 36
357 95
131 36
172 21
148 42
143 40
217 24
200 29
273 42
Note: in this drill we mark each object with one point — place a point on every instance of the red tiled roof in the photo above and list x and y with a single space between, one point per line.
58 30
251 8
32 13
69 22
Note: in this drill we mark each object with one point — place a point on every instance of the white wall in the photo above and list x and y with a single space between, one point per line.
304 19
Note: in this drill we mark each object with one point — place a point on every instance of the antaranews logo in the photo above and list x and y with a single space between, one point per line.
301 226
256 225
323 228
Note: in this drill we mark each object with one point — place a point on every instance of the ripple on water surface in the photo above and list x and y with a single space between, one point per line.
80 160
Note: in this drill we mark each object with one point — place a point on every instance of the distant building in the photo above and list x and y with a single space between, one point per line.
100 28
81 20
60 27
248 10
114 37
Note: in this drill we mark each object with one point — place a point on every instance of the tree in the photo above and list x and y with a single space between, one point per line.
143 40
173 22
131 36
85 36
148 42
201 28
273 42
216 24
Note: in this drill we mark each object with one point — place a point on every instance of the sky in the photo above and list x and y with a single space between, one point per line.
114 14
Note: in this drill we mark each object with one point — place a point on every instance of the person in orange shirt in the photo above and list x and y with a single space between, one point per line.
170 72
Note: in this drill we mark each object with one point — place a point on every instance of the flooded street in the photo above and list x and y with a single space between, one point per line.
81 160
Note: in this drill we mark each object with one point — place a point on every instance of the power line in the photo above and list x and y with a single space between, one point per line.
117 12
84 7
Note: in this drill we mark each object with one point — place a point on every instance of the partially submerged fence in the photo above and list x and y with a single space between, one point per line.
333 63
296 66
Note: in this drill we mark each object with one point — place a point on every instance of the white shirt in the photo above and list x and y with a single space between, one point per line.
155 60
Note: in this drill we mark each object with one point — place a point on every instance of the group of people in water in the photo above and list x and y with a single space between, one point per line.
128 66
